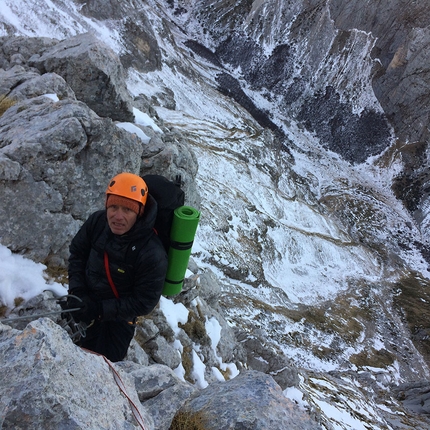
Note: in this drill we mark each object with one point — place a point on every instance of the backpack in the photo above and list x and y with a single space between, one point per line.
169 196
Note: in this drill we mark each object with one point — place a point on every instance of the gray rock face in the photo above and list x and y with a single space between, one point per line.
33 86
400 82
94 73
48 382
44 386
401 31
57 154
142 51
26 46
261 406
28 85
415 397
304 71
265 359
45 177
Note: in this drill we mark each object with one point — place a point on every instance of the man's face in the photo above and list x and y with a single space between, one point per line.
120 219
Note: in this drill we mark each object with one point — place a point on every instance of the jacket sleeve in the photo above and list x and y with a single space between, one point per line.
80 248
151 269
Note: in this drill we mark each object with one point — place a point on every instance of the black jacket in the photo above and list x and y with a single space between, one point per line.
137 261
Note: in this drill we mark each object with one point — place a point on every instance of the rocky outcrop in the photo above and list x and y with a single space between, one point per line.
49 382
141 51
250 401
400 83
415 397
93 71
401 31
60 145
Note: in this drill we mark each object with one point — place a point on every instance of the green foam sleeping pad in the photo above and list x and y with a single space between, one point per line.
184 227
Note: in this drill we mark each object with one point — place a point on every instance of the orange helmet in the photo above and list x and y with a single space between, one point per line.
130 186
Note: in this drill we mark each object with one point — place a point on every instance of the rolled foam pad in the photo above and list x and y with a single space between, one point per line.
184 227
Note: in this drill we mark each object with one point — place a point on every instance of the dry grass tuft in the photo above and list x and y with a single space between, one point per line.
187 362
186 420
3 310
196 329
373 358
57 274
412 299
5 104
17 301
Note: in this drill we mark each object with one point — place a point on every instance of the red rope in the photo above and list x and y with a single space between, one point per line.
121 386
116 376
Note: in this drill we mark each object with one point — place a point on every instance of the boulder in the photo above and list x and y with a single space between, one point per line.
251 401
30 86
161 392
27 46
48 382
93 71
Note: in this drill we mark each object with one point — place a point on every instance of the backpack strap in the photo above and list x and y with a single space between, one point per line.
109 277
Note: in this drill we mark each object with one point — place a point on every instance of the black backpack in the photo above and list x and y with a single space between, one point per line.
169 196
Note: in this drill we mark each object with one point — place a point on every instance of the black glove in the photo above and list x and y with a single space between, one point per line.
89 309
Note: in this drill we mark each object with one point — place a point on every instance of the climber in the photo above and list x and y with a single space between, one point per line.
114 292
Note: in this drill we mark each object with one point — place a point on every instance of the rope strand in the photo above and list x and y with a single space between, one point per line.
121 386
